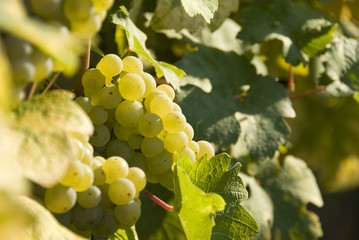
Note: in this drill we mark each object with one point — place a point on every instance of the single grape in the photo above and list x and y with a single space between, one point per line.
167 89
88 27
135 140
150 125
188 152
161 105
205 148
160 163
78 10
101 136
102 5
98 115
86 218
120 148
188 130
128 214
151 147
121 191
43 65
109 97
114 168
60 199
175 142
84 103
100 159
132 64
194 146
176 107
122 132
77 148
128 113
93 80
150 83
174 122
110 65
138 178
131 86
89 198
150 96
74 172
138 160
86 181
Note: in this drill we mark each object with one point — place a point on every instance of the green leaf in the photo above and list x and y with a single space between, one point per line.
44 226
47 38
172 15
137 43
234 88
204 7
195 208
303 31
44 123
125 234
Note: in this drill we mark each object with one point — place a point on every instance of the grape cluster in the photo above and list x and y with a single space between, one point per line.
80 17
137 120
96 195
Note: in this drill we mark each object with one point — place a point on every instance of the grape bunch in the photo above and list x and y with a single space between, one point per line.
137 120
96 195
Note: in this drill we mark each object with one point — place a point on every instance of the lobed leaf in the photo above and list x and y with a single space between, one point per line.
206 8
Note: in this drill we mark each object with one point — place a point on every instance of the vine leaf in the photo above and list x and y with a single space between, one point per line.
195 208
206 8
283 198
125 234
234 88
44 123
137 43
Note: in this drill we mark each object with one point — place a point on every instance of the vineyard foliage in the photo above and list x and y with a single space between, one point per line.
237 68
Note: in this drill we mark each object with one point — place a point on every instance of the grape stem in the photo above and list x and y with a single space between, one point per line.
309 92
51 83
32 90
158 201
84 65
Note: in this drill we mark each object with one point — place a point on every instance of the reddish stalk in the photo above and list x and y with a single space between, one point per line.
32 90
158 201
309 92
51 83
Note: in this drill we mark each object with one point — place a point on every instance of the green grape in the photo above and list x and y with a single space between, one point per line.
166 179
128 214
151 147
138 160
167 89
174 122
175 142
23 71
162 134
122 132
188 152
161 105
83 138
101 136
109 97
74 172
60 199
87 157
95 164
77 148
84 103
89 198
160 163
102 5
48 9
86 218
150 83
194 146
78 10
149 98
43 65
93 80
17 48
98 115
110 65
108 224
100 159
64 218
128 113
150 125
135 140
176 107
138 178
99 176
114 168
132 64
88 27
86 181
188 130
121 191
131 86
120 148
205 148
151 177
